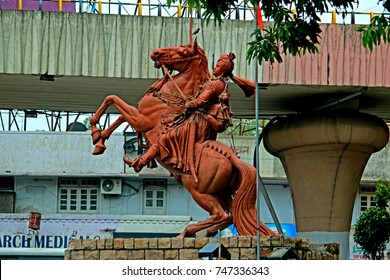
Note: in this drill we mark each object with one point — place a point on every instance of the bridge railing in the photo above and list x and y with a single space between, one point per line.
242 11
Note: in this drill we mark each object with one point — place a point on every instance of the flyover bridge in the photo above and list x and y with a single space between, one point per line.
68 62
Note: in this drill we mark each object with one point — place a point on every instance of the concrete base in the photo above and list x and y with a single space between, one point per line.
330 237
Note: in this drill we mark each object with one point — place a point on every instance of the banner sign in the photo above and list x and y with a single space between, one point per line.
38 241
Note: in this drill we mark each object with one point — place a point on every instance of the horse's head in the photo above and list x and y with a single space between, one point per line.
179 58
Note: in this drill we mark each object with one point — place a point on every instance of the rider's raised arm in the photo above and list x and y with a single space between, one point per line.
247 86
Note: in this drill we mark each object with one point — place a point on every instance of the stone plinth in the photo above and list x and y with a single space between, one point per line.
239 247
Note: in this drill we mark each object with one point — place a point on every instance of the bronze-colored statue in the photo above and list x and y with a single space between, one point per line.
205 114
180 117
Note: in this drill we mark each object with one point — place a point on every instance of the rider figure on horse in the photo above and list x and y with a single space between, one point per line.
206 114
180 116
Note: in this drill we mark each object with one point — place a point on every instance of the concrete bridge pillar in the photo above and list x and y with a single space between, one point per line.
324 156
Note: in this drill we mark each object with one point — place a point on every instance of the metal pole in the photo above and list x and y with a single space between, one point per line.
257 145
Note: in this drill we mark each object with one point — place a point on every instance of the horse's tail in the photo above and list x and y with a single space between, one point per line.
244 202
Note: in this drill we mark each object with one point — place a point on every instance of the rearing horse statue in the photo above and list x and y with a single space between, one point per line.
224 185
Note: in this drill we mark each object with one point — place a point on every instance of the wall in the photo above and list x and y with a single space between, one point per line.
108 45
58 153
36 161
70 153
341 60
377 166
240 248
37 193
37 167
270 166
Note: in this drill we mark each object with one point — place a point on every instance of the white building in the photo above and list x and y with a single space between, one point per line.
56 175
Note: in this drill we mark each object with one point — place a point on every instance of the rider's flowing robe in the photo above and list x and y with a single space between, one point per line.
177 144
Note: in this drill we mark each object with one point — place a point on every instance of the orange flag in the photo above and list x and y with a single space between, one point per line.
259 18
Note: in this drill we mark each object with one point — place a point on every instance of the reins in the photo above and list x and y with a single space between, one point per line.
180 98
176 86
169 74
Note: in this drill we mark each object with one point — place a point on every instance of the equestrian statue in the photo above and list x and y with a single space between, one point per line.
180 116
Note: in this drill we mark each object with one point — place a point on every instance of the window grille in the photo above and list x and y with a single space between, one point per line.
154 197
78 195
367 194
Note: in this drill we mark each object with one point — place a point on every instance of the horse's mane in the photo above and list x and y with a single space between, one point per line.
204 73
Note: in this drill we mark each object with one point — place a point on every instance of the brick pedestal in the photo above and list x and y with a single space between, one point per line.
239 247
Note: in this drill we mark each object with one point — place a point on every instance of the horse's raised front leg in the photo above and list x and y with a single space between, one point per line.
105 134
94 120
129 113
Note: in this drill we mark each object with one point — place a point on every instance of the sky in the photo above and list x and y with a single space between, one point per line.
369 5
40 123
365 6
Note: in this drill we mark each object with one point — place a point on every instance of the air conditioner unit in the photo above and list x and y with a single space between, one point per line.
111 186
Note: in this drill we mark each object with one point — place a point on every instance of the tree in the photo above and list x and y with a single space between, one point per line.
244 127
295 27
372 229
377 31
87 123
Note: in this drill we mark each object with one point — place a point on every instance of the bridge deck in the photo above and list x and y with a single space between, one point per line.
92 56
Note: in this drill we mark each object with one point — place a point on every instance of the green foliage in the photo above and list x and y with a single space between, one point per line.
264 46
215 9
245 127
382 194
372 229
87 123
294 33
288 35
376 32
372 232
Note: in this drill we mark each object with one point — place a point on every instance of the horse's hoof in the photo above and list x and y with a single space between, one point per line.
128 161
96 135
99 149
137 168
138 165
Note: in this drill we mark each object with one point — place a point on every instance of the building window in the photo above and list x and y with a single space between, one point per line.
78 195
155 197
7 183
367 198
367 195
